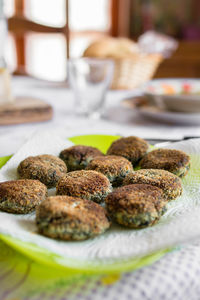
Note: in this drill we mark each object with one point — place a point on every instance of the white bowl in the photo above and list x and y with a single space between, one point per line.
180 95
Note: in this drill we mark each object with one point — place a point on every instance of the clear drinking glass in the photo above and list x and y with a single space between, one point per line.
90 80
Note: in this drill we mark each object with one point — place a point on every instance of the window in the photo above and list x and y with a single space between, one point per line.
45 54
88 20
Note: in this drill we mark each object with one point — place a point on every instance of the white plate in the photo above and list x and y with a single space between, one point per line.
163 116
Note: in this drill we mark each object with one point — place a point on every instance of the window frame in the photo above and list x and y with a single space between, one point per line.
19 25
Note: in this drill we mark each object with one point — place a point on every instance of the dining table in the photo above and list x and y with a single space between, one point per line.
175 275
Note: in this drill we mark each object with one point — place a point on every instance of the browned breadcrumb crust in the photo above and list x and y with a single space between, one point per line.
136 205
168 182
71 218
174 161
77 157
46 168
21 196
89 185
112 166
132 148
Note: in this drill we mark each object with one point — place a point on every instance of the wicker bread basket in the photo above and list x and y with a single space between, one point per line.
130 73
131 70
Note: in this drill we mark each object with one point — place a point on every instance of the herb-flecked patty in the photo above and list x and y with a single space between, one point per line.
78 157
132 148
115 168
168 182
71 218
46 168
136 205
174 161
90 185
21 196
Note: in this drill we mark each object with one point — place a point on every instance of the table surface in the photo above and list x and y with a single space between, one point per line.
175 276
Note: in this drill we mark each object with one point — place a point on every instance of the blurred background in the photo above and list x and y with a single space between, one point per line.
42 33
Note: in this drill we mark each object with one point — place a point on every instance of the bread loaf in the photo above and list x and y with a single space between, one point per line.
111 48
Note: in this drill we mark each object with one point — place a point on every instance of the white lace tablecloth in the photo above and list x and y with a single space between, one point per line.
175 276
